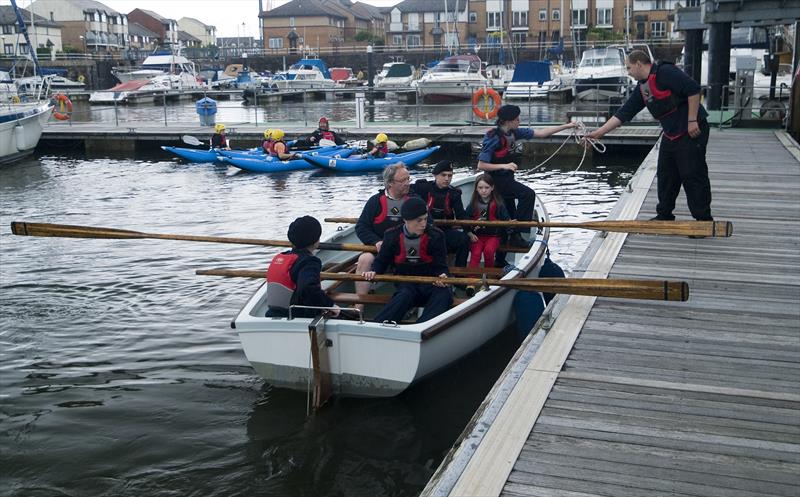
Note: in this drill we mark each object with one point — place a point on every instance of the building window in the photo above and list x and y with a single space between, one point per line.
520 19
579 18
291 22
396 16
519 39
473 17
397 40
493 20
604 17
23 48
692 3
8 29
658 29
413 41
8 49
556 36
556 14
542 14
276 43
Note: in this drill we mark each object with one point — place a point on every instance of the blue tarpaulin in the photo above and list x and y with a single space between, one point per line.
530 71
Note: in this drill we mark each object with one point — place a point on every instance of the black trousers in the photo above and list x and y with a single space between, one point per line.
457 242
511 190
434 299
682 162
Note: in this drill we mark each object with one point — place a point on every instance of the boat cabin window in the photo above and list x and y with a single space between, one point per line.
399 71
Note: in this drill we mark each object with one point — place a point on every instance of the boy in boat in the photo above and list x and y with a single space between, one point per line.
266 145
218 139
279 147
444 202
381 148
414 249
293 276
380 213
323 132
499 158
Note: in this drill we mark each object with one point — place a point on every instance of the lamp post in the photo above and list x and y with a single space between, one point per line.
244 32
83 42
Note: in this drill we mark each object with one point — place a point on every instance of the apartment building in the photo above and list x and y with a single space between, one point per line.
166 29
43 32
141 38
655 19
86 24
321 24
207 34
414 23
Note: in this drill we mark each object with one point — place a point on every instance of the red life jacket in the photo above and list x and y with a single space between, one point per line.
502 154
327 135
267 146
381 150
389 216
413 251
273 152
437 212
488 215
280 286
660 103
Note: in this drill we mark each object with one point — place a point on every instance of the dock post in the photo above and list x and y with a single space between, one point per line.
116 116
255 103
165 107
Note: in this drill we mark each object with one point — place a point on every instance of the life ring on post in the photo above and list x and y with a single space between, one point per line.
64 109
81 78
484 96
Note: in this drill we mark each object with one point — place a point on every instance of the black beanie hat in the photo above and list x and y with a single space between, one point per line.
442 166
304 231
413 208
508 113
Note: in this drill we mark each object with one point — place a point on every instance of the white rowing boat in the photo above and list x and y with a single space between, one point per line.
365 358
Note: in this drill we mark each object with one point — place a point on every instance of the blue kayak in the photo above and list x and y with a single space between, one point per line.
258 153
193 154
358 165
273 165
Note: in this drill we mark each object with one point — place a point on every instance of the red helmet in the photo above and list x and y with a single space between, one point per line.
323 120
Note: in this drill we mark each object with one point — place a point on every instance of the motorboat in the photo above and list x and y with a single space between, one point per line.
21 127
399 75
57 84
158 64
601 74
165 84
454 78
306 74
532 79
499 75
380 359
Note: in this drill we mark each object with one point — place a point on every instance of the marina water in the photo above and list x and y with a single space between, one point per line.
120 374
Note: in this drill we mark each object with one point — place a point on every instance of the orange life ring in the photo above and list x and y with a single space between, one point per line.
64 107
486 94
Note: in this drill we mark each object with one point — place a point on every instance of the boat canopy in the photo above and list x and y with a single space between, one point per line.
532 71
598 57
458 63
341 73
311 64
400 71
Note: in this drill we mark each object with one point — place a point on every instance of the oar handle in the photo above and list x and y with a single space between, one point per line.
632 289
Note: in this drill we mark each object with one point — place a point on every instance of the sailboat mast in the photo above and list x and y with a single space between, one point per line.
24 31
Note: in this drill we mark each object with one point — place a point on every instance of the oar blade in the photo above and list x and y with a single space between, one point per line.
68 231
191 140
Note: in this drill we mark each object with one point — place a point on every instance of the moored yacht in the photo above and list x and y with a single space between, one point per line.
306 74
159 85
397 75
21 127
454 78
532 79
157 64
601 74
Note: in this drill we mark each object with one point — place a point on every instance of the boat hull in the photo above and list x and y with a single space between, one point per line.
20 129
272 165
359 165
193 154
381 359
600 88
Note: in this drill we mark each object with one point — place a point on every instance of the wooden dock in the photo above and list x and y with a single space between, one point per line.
633 398
127 136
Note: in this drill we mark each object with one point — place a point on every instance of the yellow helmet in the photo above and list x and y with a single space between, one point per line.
268 134
381 138
219 127
277 134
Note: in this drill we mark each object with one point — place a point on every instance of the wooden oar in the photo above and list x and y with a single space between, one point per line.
680 228
68 231
677 291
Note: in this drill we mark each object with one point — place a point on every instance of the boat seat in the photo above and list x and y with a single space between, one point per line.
372 298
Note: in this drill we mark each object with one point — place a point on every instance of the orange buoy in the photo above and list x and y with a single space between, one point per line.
487 95
64 107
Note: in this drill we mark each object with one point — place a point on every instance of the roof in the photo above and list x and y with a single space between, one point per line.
184 36
198 22
92 5
7 16
306 8
156 16
429 6
369 9
137 29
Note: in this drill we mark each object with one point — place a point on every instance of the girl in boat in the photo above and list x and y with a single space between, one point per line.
267 144
279 147
293 276
486 205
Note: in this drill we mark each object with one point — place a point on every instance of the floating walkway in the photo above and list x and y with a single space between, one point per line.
632 398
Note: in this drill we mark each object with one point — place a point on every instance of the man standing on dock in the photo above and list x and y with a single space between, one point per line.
673 98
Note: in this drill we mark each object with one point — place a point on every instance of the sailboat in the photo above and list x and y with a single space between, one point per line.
21 123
